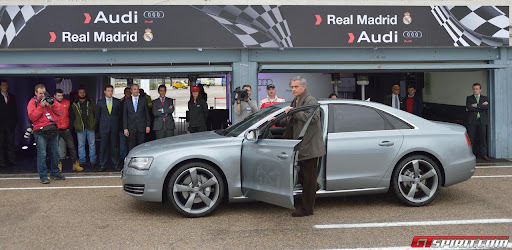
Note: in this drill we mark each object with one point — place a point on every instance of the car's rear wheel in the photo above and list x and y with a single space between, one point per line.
195 189
416 180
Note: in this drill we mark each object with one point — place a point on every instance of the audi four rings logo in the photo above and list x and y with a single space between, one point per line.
265 82
412 34
154 14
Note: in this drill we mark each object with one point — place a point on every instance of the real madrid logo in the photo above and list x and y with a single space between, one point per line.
148 36
407 18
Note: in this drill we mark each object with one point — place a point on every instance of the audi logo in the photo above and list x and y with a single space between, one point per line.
265 82
154 14
412 34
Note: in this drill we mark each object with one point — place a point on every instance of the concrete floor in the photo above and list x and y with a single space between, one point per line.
92 212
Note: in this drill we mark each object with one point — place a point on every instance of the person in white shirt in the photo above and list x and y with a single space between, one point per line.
271 98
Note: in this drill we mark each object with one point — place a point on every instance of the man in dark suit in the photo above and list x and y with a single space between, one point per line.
107 114
163 108
412 103
8 120
394 99
478 119
136 119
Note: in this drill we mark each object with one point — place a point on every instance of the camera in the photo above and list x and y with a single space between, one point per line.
30 130
48 98
243 96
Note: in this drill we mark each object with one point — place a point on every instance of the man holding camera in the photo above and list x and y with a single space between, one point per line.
44 114
245 106
66 138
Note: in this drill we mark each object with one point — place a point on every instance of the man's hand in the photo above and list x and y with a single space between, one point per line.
126 133
474 105
170 107
44 103
288 110
485 103
248 100
271 119
160 110
147 130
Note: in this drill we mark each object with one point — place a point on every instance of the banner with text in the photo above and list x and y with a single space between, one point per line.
235 26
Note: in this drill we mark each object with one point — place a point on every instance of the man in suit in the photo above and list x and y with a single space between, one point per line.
107 114
136 119
412 103
163 108
312 146
8 120
478 119
394 100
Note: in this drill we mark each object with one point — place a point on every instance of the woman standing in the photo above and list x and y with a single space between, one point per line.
197 112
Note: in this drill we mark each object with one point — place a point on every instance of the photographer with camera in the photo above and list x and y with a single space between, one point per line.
245 106
44 113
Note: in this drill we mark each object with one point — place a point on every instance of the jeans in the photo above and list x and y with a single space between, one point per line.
66 142
123 147
42 144
90 137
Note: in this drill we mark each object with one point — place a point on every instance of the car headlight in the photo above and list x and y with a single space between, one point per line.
140 163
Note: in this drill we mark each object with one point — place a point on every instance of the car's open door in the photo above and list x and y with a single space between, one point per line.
267 166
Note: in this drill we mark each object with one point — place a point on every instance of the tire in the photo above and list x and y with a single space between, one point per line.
199 199
416 188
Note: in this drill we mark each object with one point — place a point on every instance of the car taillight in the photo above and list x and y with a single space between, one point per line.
468 140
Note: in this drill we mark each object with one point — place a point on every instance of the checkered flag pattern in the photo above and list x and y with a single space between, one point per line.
13 19
254 26
474 25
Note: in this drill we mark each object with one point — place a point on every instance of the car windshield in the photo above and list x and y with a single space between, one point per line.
239 127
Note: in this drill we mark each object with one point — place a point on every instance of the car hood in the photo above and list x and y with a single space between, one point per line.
174 142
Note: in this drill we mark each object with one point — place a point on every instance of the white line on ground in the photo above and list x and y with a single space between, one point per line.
485 167
67 177
43 188
491 176
413 223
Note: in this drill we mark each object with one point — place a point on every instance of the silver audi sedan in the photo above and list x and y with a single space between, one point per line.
371 148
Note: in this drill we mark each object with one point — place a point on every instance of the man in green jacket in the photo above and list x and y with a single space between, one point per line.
83 120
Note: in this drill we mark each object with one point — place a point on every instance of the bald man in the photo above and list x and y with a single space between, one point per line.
394 99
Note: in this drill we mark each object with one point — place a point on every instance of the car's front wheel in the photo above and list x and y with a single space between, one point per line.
195 189
416 180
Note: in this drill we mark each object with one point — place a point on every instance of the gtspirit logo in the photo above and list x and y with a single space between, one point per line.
412 34
461 242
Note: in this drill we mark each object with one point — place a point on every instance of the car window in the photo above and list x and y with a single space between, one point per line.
396 122
241 126
353 118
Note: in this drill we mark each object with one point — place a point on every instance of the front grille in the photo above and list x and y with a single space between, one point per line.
134 188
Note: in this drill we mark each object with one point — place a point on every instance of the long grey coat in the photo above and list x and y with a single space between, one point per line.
159 123
313 143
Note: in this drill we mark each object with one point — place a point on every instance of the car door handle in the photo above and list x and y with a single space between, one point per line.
283 156
386 144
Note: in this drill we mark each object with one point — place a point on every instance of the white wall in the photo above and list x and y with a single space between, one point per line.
317 84
452 87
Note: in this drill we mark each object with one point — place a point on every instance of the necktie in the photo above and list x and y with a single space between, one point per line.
397 102
135 104
477 102
109 106
162 100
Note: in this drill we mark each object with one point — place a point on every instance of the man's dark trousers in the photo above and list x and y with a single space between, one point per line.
135 138
478 132
7 141
66 135
308 174
111 137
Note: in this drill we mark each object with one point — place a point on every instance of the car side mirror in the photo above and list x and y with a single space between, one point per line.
252 135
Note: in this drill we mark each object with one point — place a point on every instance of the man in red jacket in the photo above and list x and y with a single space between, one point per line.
66 139
44 115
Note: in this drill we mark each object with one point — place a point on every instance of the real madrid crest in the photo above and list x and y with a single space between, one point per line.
148 36
407 18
